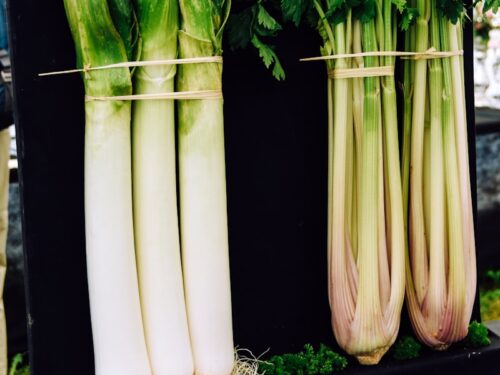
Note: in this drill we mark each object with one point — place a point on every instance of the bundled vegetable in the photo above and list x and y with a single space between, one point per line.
366 251
366 232
441 269
155 198
115 32
202 183
102 38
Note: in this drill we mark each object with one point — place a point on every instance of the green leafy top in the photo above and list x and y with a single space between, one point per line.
159 23
366 10
295 10
255 24
205 20
123 16
408 16
452 9
98 43
259 20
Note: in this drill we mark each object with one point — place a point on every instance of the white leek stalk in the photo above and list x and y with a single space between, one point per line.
155 197
202 184
118 336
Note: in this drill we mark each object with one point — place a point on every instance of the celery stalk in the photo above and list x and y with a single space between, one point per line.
394 214
408 87
435 217
454 328
368 340
365 223
440 315
338 274
417 241
455 35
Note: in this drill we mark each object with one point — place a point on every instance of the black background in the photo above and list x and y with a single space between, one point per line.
276 155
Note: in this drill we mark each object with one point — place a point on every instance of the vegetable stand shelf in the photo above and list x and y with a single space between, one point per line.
453 361
276 161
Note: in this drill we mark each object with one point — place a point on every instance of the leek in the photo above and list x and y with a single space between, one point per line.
202 190
155 197
118 336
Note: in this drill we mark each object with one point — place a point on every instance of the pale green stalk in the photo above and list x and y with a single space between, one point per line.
155 197
366 237
383 223
340 263
352 274
358 100
444 315
327 49
426 182
417 243
408 85
330 183
394 214
350 142
117 329
435 216
454 328
455 35
368 341
350 171
342 304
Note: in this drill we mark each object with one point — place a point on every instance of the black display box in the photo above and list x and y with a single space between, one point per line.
276 155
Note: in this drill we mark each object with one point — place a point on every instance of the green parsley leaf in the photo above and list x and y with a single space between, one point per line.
240 28
452 9
399 4
294 9
266 20
268 56
408 18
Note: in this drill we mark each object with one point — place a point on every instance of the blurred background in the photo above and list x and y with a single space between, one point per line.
487 101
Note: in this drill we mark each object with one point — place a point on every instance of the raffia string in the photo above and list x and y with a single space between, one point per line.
376 71
132 64
182 95
431 53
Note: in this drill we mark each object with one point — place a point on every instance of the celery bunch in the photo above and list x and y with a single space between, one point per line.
441 268
366 237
